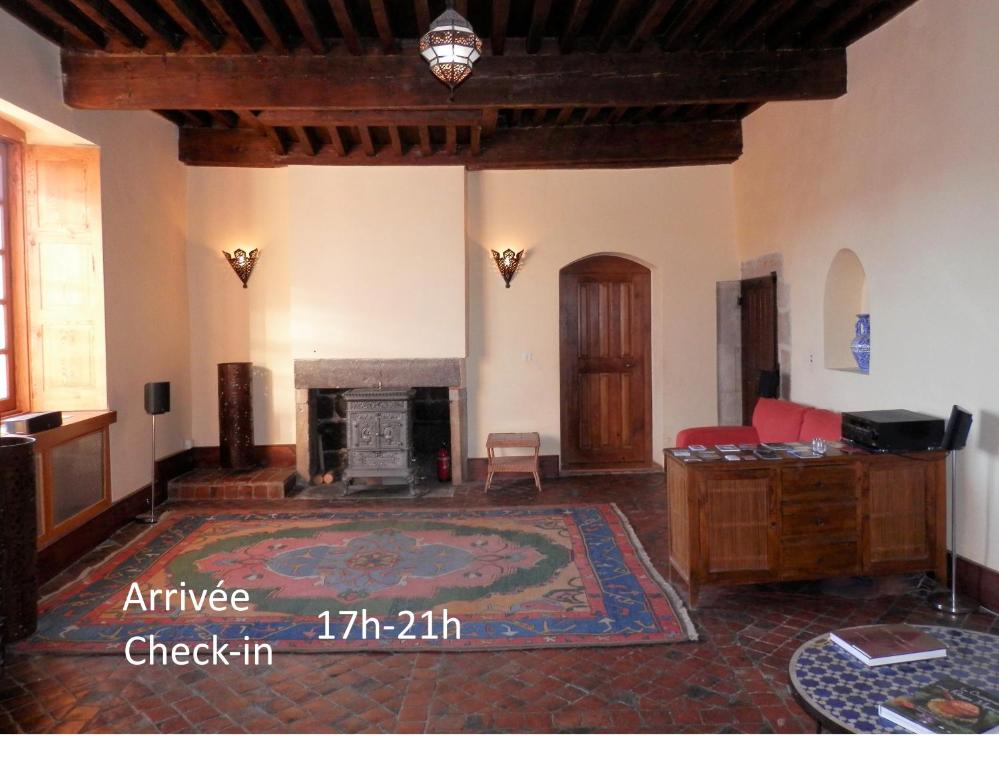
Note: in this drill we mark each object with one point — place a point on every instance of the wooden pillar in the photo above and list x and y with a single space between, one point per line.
236 450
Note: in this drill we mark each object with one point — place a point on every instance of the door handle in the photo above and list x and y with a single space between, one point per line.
629 365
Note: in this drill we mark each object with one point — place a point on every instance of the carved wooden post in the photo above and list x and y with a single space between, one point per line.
236 450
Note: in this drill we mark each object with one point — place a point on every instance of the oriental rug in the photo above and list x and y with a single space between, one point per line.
513 577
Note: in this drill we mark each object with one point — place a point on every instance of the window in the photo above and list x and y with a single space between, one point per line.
8 400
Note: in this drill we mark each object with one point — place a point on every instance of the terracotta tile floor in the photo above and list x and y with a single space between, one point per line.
735 679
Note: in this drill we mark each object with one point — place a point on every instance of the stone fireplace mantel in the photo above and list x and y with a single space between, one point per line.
330 373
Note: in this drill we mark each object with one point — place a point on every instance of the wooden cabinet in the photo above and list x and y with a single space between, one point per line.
846 514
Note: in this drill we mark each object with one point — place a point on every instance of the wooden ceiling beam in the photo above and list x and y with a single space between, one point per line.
111 32
366 141
336 141
577 17
500 20
426 148
539 19
306 25
73 34
347 30
679 34
384 26
141 23
793 24
228 24
263 20
767 15
249 119
379 117
421 9
183 18
596 146
396 140
137 81
650 23
723 26
615 21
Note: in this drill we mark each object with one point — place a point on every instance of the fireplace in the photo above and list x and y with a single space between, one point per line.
439 409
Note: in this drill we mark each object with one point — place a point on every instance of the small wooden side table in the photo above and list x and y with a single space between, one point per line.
528 463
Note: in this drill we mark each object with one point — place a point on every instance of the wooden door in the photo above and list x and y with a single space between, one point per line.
606 350
758 302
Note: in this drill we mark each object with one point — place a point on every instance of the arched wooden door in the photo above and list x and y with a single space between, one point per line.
605 328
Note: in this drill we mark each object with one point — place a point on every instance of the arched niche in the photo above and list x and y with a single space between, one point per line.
845 298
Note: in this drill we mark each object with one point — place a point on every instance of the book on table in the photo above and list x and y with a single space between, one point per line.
888 644
945 706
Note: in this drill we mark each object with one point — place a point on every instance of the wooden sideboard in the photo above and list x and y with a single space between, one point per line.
849 513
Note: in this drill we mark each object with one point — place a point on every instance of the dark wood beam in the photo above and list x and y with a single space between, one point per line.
426 148
384 26
336 141
305 140
539 18
367 143
679 34
72 33
102 22
829 27
381 117
343 20
421 8
564 116
450 139
250 120
732 13
650 22
490 116
766 16
577 17
140 22
793 24
137 81
615 21
599 146
307 25
223 18
396 140
263 20
185 19
475 144
501 18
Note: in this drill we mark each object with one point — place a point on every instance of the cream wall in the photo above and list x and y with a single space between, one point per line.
355 263
145 284
676 221
903 170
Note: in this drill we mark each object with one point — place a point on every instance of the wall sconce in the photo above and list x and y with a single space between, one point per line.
508 263
242 263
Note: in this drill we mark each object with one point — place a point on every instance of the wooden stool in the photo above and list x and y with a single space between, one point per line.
527 464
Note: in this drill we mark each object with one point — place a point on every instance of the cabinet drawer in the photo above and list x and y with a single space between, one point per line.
814 557
819 519
822 484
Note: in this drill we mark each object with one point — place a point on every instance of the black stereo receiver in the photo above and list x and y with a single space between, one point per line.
31 423
893 430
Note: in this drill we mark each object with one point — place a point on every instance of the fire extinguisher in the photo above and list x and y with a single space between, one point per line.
443 465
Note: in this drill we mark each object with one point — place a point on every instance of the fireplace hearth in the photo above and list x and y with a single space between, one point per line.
438 410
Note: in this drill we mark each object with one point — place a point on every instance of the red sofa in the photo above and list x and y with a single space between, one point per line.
774 421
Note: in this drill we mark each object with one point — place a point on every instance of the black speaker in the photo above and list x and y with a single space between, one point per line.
158 397
958 427
769 384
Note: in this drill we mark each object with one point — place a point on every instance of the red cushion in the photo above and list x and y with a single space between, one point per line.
821 423
715 436
778 421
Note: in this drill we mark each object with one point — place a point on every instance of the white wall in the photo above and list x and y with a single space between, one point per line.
354 263
145 284
676 221
903 170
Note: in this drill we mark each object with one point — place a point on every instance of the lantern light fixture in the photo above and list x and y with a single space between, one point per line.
451 47
508 263
242 263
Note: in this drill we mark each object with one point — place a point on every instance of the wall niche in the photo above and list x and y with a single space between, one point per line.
845 298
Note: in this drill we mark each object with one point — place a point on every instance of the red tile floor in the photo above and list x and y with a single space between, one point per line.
733 680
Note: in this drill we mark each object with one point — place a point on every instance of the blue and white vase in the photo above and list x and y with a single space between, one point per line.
861 344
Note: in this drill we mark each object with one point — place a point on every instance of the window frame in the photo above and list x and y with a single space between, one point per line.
13 144
8 404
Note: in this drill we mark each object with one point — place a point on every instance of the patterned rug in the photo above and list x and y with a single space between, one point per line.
514 578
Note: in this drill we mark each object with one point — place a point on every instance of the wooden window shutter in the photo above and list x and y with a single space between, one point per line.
65 276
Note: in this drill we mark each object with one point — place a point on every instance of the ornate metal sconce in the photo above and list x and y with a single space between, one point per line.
508 263
242 263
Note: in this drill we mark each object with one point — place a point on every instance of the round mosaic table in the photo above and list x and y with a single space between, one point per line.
843 693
